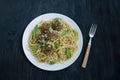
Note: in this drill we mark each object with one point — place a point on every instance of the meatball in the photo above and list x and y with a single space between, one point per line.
41 38
45 27
57 25
47 49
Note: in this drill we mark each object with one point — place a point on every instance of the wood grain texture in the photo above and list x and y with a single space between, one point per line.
86 56
104 60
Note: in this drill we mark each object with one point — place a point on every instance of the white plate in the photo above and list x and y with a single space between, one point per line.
46 66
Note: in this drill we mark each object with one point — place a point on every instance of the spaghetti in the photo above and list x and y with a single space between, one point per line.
53 41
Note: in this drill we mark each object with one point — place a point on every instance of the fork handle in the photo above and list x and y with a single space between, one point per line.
86 55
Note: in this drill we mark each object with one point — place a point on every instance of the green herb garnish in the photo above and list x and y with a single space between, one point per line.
65 32
35 30
75 32
56 45
57 18
36 46
52 62
68 53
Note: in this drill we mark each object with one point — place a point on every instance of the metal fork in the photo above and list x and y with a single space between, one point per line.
91 35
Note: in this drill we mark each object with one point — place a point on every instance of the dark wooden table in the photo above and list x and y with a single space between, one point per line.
104 59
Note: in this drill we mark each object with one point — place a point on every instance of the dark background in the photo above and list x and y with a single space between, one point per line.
104 59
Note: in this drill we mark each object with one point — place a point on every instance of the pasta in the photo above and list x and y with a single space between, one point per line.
53 41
